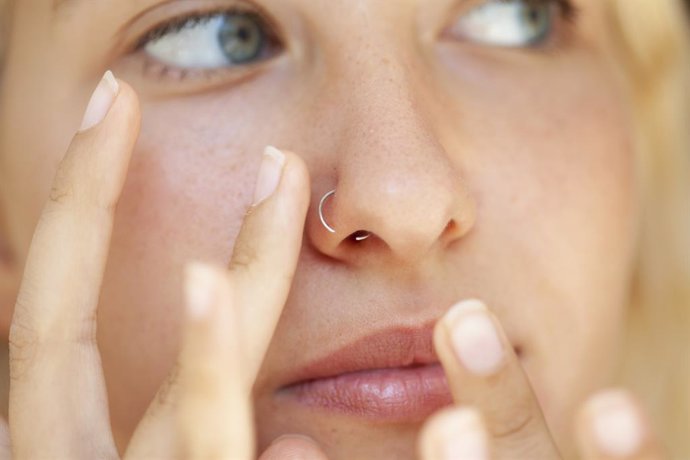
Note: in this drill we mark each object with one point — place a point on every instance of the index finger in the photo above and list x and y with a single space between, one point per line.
266 251
484 372
222 353
55 367
613 425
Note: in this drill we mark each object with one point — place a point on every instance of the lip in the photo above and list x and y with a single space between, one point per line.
393 375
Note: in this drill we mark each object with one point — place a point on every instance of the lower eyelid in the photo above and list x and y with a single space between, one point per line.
156 81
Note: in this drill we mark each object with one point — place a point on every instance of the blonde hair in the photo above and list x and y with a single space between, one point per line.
653 42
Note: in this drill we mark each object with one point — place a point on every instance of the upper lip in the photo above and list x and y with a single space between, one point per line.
395 347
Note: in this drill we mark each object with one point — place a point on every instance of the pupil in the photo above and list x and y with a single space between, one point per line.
243 34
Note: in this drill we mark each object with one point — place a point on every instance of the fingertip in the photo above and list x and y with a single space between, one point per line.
128 102
442 346
94 167
476 339
293 447
282 176
612 424
112 99
454 433
200 287
297 175
463 307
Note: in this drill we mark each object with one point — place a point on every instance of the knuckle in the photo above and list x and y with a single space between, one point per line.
23 344
30 338
61 193
166 395
514 425
244 257
526 438
63 188
73 185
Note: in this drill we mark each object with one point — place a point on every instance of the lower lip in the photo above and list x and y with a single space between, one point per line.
404 394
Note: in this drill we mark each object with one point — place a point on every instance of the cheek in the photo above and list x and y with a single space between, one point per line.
189 185
552 169
576 213
184 200
567 193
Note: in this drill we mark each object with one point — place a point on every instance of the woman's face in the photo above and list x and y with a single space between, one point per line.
484 144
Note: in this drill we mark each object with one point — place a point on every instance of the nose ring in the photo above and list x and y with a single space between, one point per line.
359 236
323 221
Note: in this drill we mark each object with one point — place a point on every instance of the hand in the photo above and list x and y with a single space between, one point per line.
497 414
58 401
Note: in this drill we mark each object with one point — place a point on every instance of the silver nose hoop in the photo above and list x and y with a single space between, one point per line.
359 236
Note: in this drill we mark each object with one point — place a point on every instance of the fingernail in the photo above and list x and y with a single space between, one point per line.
465 439
101 100
269 174
618 430
200 287
474 338
288 436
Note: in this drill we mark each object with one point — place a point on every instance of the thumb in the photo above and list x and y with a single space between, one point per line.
293 447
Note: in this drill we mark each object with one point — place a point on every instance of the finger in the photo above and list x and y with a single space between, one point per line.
293 447
612 426
266 251
484 372
202 411
454 434
260 275
215 418
55 366
156 435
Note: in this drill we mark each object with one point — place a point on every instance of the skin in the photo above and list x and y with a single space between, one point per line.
527 153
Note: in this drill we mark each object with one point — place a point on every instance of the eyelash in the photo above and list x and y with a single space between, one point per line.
567 10
196 17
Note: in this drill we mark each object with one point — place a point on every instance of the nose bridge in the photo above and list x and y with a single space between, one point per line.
383 109
388 137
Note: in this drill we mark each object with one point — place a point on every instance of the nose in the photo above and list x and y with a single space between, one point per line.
392 180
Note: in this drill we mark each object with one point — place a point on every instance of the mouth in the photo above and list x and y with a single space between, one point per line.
391 376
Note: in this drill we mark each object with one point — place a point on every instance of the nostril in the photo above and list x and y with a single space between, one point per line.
359 235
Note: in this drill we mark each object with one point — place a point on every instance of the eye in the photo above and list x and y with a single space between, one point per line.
210 41
509 23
